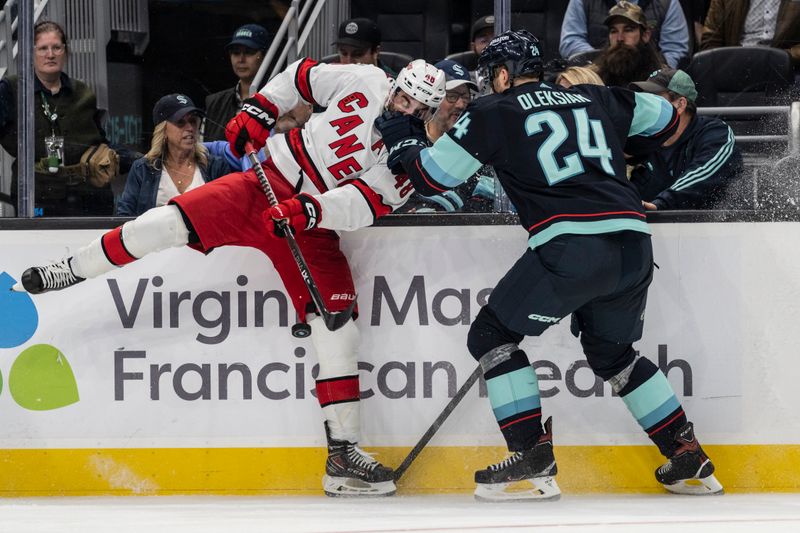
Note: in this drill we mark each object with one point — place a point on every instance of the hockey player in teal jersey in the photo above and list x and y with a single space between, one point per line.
558 154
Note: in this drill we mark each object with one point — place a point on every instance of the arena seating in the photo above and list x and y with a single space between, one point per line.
738 76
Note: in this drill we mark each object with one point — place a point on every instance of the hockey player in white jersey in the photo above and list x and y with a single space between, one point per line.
329 176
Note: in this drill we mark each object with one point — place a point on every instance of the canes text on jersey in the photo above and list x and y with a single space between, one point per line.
346 145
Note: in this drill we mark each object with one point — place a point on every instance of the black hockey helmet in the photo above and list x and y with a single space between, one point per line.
517 50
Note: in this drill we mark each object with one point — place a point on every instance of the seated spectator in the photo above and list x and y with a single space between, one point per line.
629 55
584 27
695 13
246 51
482 32
699 164
71 177
577 76
774 23
177 161
359 42
477 193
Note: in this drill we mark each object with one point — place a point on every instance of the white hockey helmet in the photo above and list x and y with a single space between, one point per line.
423 82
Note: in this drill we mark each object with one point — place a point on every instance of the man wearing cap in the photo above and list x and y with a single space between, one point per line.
698 164
630 54
584 27
246 51
359 42
477 193
482 32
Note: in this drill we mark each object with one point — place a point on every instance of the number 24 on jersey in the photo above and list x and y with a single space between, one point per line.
559 133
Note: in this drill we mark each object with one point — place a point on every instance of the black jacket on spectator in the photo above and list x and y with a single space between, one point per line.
220 108
76 107
699 171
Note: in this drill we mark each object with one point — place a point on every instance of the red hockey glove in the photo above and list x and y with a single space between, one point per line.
252 124
300 213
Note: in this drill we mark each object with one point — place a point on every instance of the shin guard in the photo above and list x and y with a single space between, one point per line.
652 402
155 230
337 383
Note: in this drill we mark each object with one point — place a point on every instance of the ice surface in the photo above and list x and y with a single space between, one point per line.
432 513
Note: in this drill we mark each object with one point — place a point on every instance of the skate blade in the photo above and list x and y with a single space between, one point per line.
534 489
347 487
696 487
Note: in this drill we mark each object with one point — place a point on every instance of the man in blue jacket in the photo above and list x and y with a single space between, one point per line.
699 164
584 27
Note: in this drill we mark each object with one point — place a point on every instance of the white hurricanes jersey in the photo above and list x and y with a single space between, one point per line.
338 157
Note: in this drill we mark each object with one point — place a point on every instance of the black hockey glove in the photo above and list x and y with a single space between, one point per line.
404 137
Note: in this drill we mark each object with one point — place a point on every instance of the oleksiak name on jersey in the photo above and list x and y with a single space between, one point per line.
558 153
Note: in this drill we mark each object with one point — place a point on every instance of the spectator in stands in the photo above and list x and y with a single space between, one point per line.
774 23
246 51
359 42
72 177
699 164
578 76
482 32
629 55
477 193
176 162
695 13
584 27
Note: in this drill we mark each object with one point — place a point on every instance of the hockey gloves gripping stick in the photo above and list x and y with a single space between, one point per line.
253 123
333 320
300 213
404 137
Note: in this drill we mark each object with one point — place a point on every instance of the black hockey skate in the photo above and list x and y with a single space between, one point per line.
689 470
350 471
52 277
524 475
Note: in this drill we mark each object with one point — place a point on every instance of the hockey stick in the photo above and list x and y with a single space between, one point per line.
333 321
428 435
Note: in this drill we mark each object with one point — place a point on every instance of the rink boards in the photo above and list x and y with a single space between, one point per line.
178 374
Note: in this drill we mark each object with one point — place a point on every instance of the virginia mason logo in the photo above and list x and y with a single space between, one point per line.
40 377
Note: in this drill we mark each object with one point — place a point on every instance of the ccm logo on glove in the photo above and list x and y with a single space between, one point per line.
259 114
300 213
405 144
252 123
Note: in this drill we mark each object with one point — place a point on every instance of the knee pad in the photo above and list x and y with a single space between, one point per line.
610 361
157 229
336 350
487 333
495 346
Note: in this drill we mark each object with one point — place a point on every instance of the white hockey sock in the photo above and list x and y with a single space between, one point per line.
157 229
338 372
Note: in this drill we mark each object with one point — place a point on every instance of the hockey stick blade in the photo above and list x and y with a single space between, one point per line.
428 435
333 321
338 319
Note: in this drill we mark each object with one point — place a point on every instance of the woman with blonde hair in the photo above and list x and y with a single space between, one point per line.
176 162
578 76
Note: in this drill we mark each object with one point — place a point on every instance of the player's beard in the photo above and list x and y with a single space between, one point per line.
624 64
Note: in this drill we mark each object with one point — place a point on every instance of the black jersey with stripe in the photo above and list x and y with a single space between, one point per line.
558 154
